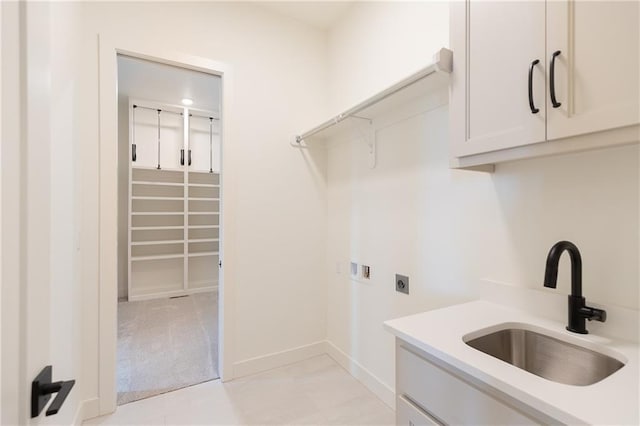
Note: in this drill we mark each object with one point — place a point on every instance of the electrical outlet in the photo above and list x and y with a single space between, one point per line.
354 270
402 283
366 272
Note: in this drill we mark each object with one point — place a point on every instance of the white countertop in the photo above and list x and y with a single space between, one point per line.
613 400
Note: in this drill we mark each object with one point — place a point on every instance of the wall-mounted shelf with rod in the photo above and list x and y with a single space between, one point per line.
410 88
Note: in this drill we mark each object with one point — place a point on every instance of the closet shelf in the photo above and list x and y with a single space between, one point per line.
156 242
204 213
158 257
203 240
204 198
204 185
157 213
204 226
407 89
148 182
203 253
155 228
136 197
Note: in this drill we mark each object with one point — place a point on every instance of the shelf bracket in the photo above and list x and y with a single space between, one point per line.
365 131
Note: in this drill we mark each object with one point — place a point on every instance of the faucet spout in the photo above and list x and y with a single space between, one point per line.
553 259
578 312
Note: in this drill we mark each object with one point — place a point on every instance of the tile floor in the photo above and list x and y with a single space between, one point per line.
316 391
166 344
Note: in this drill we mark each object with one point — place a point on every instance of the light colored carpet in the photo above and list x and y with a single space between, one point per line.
166 344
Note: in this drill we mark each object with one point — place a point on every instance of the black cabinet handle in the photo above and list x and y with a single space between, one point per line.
534 110
134 154
552 79
41 389
182 157
189 163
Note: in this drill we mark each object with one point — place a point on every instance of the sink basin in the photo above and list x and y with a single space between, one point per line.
546 356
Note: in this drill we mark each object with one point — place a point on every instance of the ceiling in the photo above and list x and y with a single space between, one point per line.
146 80
320 14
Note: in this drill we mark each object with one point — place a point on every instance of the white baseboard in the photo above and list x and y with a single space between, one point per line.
87 409
278 359
374 384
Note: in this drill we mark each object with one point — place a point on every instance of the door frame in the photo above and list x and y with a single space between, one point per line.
109 48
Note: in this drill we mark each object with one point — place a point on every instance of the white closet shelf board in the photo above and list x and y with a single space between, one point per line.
145 197
156 228
157 213
203 253
414 86
156 242
148 182
204 198
203 240
155 293
204 185
157 257
204 226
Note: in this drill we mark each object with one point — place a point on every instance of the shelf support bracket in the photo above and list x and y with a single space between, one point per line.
366 132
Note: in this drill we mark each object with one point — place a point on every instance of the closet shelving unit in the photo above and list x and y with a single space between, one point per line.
362 115
174 215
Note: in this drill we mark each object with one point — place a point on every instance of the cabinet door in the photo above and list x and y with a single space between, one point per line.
596 72
407 414
494 45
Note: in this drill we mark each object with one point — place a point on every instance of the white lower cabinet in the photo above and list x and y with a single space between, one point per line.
430 394
408 413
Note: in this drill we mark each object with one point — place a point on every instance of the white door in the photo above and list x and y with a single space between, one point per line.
502 41
596 69
37 210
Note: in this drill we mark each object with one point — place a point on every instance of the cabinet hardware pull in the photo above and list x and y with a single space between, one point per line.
189 163
552 79
134 154
182 157
534 110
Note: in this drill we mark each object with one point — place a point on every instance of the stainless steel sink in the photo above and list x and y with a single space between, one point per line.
547 357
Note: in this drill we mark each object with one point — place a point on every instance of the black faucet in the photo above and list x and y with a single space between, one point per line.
578 311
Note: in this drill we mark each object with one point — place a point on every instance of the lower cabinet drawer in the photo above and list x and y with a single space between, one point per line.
408 414
447 397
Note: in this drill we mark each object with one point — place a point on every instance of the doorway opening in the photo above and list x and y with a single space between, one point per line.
169 227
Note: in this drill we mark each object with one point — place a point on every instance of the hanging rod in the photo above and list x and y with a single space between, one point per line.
208 117
173 112
156 109
442 62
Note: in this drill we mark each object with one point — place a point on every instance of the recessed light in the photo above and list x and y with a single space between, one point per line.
187 102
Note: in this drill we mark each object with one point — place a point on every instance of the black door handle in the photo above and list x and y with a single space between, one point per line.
41 389
534 110
189 163
182 157
552 79
134 154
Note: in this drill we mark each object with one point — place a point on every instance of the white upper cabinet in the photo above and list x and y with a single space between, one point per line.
539 78
496 46
596 72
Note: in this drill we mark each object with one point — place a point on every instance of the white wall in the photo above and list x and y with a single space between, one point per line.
378 43
279 78
449 230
